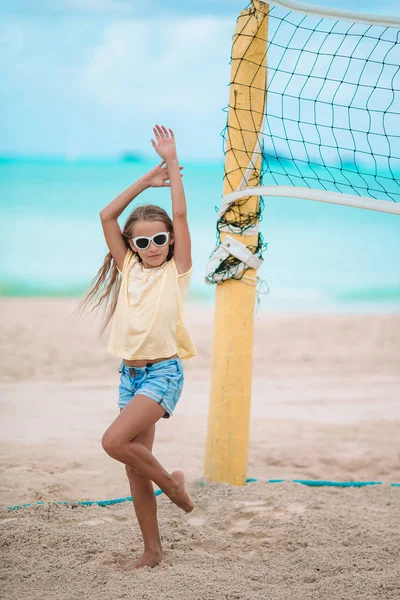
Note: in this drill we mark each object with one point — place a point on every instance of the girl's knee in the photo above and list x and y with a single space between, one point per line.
111 444
116 447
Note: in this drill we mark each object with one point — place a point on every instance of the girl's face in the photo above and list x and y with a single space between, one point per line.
153 255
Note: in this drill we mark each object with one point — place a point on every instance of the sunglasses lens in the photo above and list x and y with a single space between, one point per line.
160 240
142 243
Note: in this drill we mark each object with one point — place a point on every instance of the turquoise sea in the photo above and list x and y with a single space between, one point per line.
320 257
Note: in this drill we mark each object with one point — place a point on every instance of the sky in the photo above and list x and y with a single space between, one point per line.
90 78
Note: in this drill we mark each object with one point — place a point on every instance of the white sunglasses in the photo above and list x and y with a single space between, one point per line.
142 242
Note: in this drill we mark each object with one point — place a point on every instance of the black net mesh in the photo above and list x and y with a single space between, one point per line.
332 111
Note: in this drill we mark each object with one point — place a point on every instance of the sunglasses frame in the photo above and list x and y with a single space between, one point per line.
151 239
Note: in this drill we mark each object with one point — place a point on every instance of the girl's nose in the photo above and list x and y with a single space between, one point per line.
153 247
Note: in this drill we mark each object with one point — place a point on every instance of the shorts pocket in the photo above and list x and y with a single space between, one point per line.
164 384
172 369
174 388
157 384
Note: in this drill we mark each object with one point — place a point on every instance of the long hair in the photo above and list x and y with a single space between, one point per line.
104 287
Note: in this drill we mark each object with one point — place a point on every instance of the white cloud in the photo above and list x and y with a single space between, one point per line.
180 65
88 87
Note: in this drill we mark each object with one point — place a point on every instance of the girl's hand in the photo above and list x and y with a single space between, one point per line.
165 145
158 176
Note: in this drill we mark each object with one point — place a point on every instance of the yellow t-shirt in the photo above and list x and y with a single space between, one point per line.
148 322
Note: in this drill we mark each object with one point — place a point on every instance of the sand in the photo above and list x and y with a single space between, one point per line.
325 405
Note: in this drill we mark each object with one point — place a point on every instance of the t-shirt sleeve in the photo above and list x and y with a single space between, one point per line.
129 257
187 274
183 278
179 275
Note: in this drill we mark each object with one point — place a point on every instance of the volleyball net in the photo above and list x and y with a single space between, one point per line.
314 113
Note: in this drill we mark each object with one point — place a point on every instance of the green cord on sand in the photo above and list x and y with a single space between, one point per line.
312 483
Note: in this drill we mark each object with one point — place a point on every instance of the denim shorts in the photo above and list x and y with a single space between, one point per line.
161 381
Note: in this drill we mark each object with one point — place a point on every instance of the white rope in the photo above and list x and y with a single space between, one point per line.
334 13
230 246
288 191
262 288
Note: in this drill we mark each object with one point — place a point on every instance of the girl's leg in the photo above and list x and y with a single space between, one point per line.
145 505
120 442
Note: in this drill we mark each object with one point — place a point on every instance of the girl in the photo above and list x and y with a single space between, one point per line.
152 256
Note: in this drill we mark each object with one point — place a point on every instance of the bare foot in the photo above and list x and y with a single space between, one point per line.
179 495
147 560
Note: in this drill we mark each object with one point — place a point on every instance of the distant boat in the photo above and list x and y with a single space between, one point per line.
132 157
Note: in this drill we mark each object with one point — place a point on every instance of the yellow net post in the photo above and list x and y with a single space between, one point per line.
229 412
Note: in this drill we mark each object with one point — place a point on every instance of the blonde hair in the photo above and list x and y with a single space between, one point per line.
104 287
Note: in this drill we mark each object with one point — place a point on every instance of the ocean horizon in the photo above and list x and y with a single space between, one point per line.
320 257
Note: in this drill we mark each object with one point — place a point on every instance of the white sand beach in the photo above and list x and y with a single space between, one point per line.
325 405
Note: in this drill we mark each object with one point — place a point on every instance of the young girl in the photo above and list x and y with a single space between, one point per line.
153 258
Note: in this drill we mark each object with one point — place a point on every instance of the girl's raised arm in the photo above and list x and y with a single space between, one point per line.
156 177
166 148
109 220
